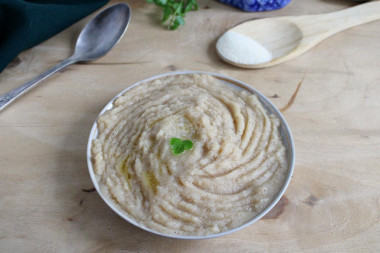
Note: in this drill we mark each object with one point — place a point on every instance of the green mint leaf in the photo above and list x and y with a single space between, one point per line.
175 6
178 8
174 141
174 11
180 20
189 7
188 144
174 26
167 13
195 7
179 146
162 2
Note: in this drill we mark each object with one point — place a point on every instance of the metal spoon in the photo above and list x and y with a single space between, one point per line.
96 39
288 37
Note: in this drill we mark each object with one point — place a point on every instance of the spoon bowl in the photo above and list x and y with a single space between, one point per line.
100 35
288 37
288 33
96 39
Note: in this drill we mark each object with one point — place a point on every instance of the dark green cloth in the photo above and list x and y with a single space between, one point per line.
26 23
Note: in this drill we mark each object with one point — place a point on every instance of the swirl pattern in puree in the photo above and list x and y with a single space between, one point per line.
234 170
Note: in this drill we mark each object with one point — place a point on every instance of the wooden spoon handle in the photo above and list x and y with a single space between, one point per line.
331 23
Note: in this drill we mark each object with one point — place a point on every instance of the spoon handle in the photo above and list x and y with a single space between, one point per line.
332 23
8 98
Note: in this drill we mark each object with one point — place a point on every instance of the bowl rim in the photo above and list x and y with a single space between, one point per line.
269 106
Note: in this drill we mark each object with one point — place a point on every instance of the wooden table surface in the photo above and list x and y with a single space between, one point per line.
329 96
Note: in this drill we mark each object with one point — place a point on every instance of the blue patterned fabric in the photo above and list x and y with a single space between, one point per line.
257 5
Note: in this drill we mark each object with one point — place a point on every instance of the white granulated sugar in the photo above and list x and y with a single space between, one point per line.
241 49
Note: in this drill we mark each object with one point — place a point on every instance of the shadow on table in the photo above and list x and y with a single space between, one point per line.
342 2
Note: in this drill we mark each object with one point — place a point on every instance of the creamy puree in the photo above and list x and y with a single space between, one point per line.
234 170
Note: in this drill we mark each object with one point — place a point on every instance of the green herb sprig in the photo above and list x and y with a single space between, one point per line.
174 11
179 146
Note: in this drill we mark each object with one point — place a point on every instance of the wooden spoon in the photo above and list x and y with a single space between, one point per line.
288 37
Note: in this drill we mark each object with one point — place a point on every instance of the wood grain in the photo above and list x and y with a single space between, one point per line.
332 204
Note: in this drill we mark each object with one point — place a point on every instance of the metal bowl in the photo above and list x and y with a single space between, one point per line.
284 130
